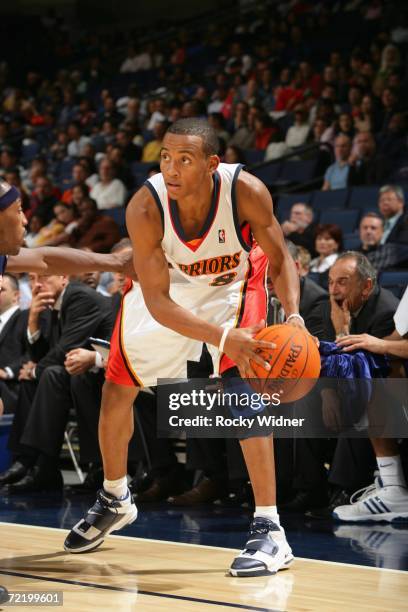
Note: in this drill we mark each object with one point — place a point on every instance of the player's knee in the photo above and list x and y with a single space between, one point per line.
117 397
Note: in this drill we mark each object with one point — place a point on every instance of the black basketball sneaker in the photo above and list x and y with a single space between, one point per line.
108 514
4 596
266 551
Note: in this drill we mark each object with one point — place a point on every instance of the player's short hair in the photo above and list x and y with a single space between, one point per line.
13 281
200 128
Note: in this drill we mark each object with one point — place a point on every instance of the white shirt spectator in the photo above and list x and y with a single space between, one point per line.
318 265
75 147
110 195
297 135
142 61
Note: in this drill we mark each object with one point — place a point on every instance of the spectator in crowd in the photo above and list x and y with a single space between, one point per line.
109 191
234 155
8 160
328 245
79 177
87 163
35 225
216 120
265 131
392 140
366 166
77 140
123 173
43 198
13 326
391 206
107 134
132 61
336 176
38 168
243 134
357 306
300 228
131 152
59 229
78 312
389 106
371 231
303 258
389 494
366 120
96 231
381 256
151 150
298 133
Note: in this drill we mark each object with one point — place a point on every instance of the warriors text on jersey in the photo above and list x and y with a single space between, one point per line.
218 276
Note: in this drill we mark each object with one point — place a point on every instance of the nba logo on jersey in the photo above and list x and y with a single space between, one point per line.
221 236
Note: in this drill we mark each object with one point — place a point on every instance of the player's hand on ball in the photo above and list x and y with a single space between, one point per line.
241 346
299 322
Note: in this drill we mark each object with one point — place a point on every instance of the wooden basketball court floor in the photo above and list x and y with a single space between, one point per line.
128 573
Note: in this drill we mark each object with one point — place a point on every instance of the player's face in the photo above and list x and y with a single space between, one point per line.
185 167
12 229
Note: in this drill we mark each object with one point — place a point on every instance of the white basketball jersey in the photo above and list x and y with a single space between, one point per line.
218 257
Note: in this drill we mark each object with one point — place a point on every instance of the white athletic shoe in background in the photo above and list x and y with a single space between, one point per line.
375 503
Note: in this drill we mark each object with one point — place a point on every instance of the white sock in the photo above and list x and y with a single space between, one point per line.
391 471
118 488
269 512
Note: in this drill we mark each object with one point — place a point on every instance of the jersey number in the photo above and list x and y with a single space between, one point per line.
225 279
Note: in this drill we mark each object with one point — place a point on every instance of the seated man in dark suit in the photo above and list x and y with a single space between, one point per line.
357 305
300 228
391 206
387 500
13 325
77 312
382 256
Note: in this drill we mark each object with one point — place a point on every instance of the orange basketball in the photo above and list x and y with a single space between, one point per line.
295 363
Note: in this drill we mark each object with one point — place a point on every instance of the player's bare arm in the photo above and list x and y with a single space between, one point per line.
255 206
63 260
145 230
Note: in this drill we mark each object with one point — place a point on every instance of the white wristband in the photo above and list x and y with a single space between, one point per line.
223 339
298 316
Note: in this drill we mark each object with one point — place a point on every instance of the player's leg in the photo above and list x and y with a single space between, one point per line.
266 551
387 498
114 507
116 424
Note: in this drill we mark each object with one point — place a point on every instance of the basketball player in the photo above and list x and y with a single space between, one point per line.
12 230
43 260
197 215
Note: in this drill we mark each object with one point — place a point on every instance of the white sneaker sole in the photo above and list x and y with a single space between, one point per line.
385 517
287 562
126 520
